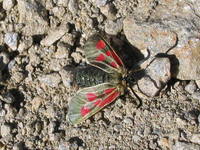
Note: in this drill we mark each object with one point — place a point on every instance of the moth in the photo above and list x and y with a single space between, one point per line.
114 80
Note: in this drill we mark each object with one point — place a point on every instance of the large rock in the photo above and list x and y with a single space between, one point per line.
187 61
170 33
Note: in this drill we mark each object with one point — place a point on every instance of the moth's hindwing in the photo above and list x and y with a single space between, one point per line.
90 100
100 54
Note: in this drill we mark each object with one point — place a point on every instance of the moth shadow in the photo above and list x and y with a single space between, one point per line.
129 54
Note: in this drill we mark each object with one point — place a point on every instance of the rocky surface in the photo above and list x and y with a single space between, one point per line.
39 40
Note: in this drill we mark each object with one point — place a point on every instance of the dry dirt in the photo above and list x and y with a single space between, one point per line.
38 39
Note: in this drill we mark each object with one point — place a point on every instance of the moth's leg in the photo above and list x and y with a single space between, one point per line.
138 99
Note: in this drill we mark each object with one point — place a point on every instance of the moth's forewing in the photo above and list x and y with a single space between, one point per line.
100 54
89 101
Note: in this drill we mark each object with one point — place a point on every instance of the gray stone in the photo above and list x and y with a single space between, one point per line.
196 95
199 118
4 60
128 121
18 146
55 34
8 4
11 65
154 37
63 146
8 98
185 146
195 138
191 87
117 128
11 39
73 6
58 11
109 11
52 79
5 130
62 51
157 75
114 27
77 57
34 16
198 83
62 3
25 43
57 64
100 3
67 76
188 57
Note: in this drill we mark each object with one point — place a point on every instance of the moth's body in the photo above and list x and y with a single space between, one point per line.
87 76
90 76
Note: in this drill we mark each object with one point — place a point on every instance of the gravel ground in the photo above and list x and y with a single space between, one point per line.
40 39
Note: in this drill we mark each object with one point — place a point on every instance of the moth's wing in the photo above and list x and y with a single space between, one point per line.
90 100
100 54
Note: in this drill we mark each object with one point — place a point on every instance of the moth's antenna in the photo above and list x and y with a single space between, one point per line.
139 99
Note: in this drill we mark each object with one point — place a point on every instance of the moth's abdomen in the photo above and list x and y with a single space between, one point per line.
90 76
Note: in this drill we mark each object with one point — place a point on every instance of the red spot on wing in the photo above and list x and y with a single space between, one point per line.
108 53
107 91
116 58
109 99
91 96
101 57
113 64
84 111
100 44
97 102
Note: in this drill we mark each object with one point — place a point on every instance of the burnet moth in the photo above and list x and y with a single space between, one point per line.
90 100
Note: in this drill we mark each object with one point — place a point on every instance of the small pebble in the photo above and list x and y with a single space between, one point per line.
63 146
8 4
4 60
77 57
199 118
109 11
195 138
147 131
11 39
62 3
54 35
185 146
73 6
114 27
8 98
25 43
117 128
100 3
62 51
164 143
196 95
67 77
51 79
198 83
191 87
18 146
5 130
128 121
157 75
